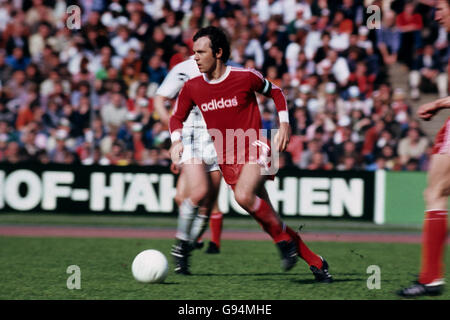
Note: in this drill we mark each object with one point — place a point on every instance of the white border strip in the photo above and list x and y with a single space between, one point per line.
380 196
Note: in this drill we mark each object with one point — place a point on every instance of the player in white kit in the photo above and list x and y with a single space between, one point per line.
197 191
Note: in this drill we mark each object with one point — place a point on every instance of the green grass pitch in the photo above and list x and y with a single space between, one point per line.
35 268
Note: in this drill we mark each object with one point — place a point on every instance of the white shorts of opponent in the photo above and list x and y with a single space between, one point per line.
197 144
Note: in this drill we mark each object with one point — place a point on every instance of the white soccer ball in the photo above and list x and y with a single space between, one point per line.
150 266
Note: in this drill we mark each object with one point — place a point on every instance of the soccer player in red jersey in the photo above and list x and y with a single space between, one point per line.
226 97
431 277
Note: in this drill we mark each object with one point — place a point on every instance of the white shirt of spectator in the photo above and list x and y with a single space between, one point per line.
264 10
122 47
254 49
172 85
5 18
339 41
154 8
291 54
312 43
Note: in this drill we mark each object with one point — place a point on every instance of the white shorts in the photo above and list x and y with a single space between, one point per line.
197 144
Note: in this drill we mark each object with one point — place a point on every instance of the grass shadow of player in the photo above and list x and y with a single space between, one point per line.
313 281
243 274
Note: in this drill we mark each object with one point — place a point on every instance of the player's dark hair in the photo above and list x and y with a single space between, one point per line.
219 40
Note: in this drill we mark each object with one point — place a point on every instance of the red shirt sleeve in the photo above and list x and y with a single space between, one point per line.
183 106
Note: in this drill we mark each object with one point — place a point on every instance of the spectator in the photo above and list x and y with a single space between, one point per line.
171 27
122 43
117 155
413 146
401 109
362 79
156 70
313 147
427 75
341 28
340 69
318 162
322 51
295 148
38 41
248 47
388 39
14 153
370 139
355 102
16 36
344 150
17 61
347 163
410 25
114 113
6 70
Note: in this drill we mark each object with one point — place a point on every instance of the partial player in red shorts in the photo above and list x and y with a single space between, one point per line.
431 277
226 97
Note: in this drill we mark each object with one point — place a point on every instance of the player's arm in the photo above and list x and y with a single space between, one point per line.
159 103
265 87
183 106
168 89
428 110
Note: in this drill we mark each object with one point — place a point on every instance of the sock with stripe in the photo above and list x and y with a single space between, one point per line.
433 243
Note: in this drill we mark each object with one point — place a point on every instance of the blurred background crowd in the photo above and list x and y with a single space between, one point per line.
85 95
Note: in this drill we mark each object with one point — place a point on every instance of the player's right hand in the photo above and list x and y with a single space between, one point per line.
176 151
175 168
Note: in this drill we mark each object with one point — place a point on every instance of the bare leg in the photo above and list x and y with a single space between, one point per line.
438 188
435 223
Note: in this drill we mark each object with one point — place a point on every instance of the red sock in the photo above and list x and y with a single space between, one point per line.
304 252
215 224
269 221
433 242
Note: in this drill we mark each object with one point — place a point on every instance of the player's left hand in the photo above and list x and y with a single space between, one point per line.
427 110
282 136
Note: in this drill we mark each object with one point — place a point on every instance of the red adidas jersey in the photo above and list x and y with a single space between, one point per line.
229 107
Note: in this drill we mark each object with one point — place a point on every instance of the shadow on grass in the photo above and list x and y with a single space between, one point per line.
312 281
244 274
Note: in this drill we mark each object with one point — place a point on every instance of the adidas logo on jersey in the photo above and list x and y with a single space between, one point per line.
219 104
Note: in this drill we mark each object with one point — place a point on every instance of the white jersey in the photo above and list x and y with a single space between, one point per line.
172 85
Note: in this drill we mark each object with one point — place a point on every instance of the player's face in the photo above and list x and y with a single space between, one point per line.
443 14
204 56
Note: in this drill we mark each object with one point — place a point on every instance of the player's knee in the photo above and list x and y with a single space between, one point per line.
245 199
178 199
435 193
198 194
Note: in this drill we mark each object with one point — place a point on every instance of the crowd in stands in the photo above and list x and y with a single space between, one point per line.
85 95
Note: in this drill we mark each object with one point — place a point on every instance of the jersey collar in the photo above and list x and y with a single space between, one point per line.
222 78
